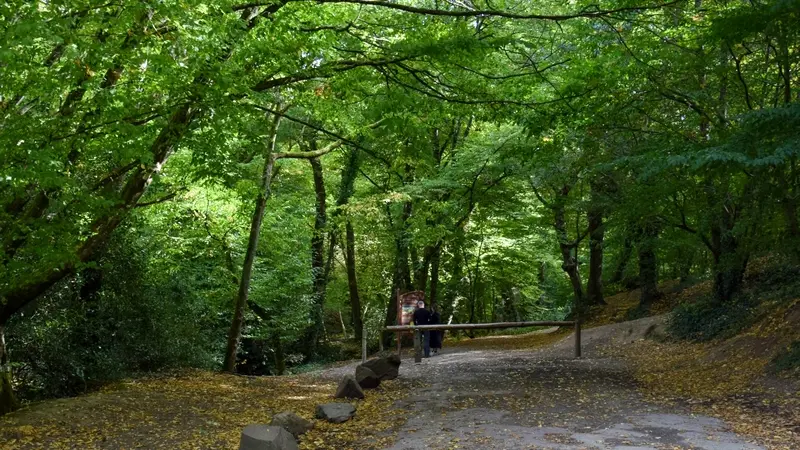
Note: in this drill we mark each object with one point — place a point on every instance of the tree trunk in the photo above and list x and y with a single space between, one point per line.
317 261
624 258
435 259
594 288
280 357
352 282
685 267
8 401
515 302
404 269
648 267
235 331
569 263
421 269
401 279
729 261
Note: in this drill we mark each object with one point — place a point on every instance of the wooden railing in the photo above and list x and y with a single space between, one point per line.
417 330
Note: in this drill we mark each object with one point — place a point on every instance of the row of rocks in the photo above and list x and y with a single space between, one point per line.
286 427
368 376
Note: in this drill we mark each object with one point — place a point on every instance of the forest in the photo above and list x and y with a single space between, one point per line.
244 187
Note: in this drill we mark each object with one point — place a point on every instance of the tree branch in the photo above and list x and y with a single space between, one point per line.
327 132
324 70
308 154
163 199
538 195
488 12
741 77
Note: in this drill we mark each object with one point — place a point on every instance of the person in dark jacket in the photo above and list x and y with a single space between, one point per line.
436 335
423 317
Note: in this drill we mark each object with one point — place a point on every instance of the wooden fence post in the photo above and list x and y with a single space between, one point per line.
577 338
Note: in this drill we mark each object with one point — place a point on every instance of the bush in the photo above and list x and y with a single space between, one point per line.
105 324
706 320
332 351
788 359
69 346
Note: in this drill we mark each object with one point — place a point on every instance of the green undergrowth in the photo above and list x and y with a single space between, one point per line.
766 288
706 320
787 360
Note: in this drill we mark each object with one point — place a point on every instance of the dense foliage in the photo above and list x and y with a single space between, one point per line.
173 174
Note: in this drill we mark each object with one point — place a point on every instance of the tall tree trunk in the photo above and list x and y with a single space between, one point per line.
685 267
280 357
569 262
454 286
8 401
421 269
346 190
401 279
648 266
404 269
317 261
730 262
235 331
435 260
515 302
352 282
622 263
594 288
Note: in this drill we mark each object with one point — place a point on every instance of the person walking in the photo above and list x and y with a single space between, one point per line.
436 335
423 317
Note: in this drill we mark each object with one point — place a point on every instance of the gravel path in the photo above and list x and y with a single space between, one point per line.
493 399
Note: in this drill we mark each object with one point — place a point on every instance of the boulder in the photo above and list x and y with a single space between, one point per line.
349 388
264 437
335 412
366 378
387 368
292 423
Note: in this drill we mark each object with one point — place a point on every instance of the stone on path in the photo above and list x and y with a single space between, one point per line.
292 423
349 388
335 412
366 378
264 437
387 368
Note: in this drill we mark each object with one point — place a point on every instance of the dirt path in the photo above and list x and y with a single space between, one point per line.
497 399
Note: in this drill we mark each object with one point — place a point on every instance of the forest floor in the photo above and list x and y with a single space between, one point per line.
508 392
193 410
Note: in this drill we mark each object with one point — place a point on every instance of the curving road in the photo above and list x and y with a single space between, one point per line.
492 399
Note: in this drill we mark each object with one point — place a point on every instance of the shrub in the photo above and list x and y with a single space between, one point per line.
788 359
706 320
